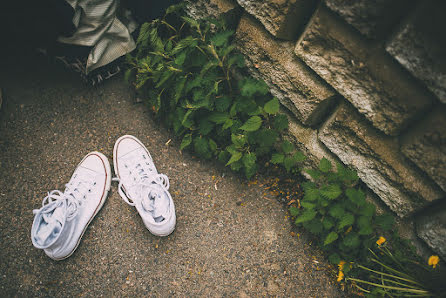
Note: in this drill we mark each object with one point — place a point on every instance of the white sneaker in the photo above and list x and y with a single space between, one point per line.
59 225
141 185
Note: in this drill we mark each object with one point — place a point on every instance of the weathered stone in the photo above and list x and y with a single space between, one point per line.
294 83
378 162
420 46
431 227
282 18
371 80
371 18
426 146
212 8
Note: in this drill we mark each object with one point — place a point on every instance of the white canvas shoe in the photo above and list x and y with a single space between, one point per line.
141 185
59 225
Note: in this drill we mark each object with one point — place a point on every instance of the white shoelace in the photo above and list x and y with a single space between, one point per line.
58 207
150 188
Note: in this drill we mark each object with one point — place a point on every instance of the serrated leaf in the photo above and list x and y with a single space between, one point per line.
287 147
218 117
289 163
179 60
313 173
187 140
280 122
252 124
352 240
368 209
356 196
249 162
265 137
272 106
299 156
331 191
314 226
201 147
212 145
238 140
325 165
307 205
365 225
332 236
234 157
250 87
221 38
347 220
237 60
222 103
337 211
191 22
294 211
334 259
327 223
228 123
205 126
166 75
189 41
187 120
307 215
179 87
311 194
277 158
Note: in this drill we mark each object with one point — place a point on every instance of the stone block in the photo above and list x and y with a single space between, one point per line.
426 145
292 81
282 18
377 160
373 18
420 46
431 227
212 8
371 80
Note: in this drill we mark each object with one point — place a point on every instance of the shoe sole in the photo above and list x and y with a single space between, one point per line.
115 163
106 190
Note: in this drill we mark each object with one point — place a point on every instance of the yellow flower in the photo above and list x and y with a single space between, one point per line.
433 261
340 276
341 265
381 240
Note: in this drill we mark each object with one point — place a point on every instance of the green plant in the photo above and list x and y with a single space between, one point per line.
391 274
187 71
335 209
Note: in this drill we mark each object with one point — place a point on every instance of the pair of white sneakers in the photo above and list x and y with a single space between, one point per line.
59 225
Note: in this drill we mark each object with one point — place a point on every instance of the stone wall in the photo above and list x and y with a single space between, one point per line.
364 83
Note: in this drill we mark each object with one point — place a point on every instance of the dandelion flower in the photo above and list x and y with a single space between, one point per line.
433 261
341 265
381 240
340 276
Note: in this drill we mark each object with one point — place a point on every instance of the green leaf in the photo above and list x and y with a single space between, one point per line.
221 38
249 161
299 156
223 156
307 215
222 103
385 221
189 41
365 225
277 158
307 205
280 122
327 223
332 236
238 60
368 209
188 119
179 87
289 163
347 220
334 259
212 145
228 123
272 106
331 191
325 165
294 211
356 196
205 126
218 117
252 124
187 140
201 147
311 194
234 157
314 226
191 22
313 173
287 147
179 60
238 140
265 137
352 240
250 87
337 211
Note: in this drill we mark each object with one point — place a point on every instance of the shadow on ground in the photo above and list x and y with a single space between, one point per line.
230 239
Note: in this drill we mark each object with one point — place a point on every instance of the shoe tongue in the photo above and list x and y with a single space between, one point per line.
50 225
156 202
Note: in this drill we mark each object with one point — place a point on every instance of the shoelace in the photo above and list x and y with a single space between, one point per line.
65 205
145 183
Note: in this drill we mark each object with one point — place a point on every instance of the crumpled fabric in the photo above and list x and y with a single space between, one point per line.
98 26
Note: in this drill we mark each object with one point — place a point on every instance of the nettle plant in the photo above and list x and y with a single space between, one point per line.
186 70
335 209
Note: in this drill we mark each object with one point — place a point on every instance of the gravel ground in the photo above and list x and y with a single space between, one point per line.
230 239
